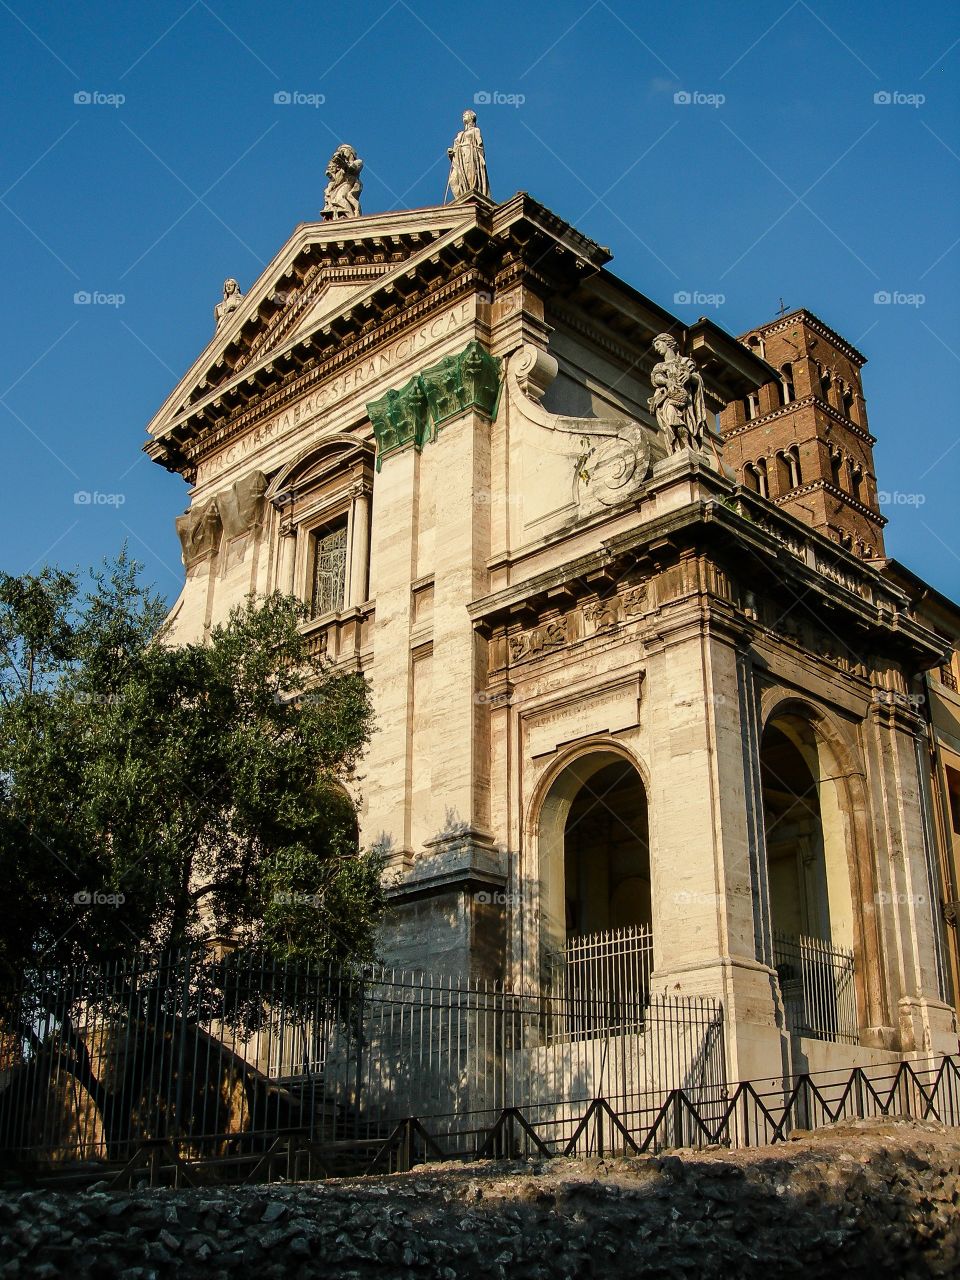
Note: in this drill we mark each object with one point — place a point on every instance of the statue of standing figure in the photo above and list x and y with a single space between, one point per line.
341 199
232 298
468 165
678 399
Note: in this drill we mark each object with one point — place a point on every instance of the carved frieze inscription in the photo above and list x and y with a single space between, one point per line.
357 379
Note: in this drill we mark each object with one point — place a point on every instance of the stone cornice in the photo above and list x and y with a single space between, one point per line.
213 437
816 324
466 251
786 555
826 487
805 403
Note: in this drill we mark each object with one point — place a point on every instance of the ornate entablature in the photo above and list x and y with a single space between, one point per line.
758 570
342 288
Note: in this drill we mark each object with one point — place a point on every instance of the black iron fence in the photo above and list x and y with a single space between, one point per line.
219 1060
751 1113
818 987
601 981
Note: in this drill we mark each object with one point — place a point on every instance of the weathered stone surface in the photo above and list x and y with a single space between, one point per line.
866 1199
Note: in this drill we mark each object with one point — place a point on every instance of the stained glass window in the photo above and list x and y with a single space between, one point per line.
329 570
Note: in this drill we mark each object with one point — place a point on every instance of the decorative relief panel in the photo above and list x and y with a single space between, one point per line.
468 380
614 453
596 618
230 514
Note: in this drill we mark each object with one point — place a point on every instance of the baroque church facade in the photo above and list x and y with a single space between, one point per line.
636 676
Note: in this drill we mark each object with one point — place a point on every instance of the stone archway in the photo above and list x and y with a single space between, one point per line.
817 878
594 852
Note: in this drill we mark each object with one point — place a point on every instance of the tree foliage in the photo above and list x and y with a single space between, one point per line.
154 795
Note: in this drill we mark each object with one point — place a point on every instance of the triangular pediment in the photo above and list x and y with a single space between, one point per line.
318 274
336 286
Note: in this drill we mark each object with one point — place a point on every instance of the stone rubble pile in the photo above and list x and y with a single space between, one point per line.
870 1200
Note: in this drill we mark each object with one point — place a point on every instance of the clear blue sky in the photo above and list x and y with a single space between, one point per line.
797 185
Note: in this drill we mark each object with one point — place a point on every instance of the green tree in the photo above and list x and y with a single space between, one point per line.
154 795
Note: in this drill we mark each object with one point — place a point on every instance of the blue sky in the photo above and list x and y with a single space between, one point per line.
782 176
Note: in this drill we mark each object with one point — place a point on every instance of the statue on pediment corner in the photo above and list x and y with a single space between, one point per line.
341 198
679 402
232 298
468 164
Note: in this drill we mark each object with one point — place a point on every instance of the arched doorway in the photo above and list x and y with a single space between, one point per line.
807 830
607 853
595 889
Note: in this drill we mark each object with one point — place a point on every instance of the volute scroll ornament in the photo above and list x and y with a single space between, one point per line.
229 514
615 454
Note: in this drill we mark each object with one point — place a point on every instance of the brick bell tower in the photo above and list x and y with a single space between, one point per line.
802 441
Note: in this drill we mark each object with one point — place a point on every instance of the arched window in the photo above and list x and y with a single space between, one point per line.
764 489
788 469
856 479
836 466
786 383
322 527
751 477
752 406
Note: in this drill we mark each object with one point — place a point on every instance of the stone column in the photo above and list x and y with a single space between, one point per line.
287 558
360 546
710 915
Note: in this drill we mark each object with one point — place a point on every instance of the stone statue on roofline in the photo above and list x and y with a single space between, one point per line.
341 198
468 165
232 298
679 400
